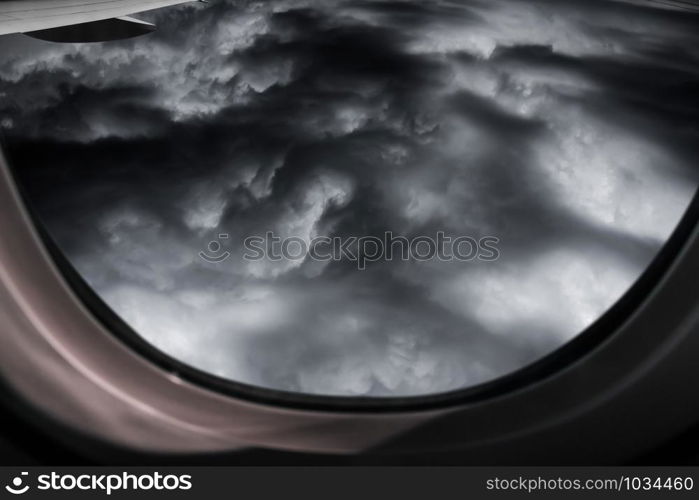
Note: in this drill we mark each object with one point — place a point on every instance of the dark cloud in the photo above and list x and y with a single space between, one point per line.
566 129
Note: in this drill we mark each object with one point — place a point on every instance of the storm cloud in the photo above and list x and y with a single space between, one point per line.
566 129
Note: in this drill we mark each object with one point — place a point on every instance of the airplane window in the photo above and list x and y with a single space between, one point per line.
361 198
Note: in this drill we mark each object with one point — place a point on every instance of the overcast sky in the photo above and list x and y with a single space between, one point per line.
567 129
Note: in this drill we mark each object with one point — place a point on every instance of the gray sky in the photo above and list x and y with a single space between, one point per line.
566 129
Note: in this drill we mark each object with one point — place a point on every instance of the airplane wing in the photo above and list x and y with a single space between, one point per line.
77 20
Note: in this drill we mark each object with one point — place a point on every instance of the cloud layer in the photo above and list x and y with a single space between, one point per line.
566 129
